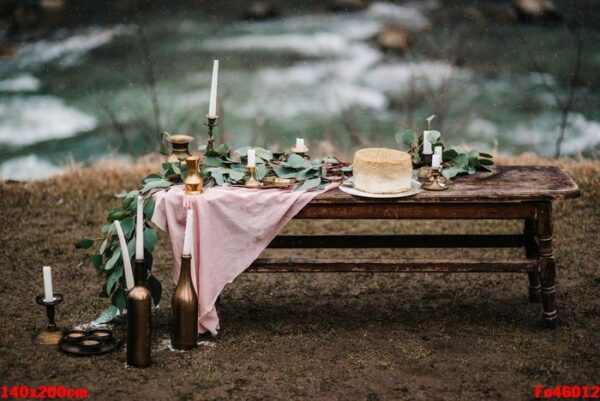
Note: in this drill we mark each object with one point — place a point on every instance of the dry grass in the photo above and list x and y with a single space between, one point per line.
324 337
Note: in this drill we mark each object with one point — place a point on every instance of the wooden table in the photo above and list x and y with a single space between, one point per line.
509 193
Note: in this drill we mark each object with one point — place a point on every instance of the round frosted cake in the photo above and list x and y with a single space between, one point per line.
382 171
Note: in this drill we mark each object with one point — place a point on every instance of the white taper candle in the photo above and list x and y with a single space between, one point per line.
48 293
139 229
212 105
189 229
426 144
438 150
436 161
125 255
300 143
251 158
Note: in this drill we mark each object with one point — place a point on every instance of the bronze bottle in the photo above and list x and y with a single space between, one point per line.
139 318
184 328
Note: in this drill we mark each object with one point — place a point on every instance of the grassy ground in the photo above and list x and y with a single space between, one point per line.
323 337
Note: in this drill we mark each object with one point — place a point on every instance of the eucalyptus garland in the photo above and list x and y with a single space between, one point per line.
220 167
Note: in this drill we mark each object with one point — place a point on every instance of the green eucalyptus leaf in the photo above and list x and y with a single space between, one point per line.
407 137
84 243
212 161
264 154
110 263
243 151
119 300
452 172
149 208
127 225
155 289
486 155
113 278
285 172
97 261
107 315
222 149
433 136
295 161
309 184
486 162
149 239
260 171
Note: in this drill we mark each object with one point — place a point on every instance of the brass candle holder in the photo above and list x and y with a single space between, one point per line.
211 122
301 151
251 182
139 320
436 181
193 181
50 335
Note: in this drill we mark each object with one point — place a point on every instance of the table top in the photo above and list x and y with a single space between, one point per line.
503 184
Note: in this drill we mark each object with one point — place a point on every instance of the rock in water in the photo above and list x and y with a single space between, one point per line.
537 10
395 39
260 10
348 5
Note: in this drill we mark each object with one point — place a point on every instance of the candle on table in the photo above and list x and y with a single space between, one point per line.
212 105
436 161
139 229
189 227
426 144
48 293
438 150
125 255
300 143
251 158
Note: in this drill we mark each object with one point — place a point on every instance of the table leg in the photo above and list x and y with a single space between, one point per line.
531 252
547 263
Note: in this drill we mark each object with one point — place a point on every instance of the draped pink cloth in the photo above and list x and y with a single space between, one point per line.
232 226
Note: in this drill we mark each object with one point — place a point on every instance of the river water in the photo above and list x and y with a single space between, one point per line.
81 93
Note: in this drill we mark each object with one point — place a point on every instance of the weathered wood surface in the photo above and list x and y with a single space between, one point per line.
505 183
398 241
273 265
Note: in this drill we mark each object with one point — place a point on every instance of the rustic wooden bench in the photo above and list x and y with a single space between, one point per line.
509 193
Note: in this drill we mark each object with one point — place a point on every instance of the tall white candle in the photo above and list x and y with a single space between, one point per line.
436 161
426 144
189 229
139 229
212 105
48 293
125 255
251 158
300 143
438 150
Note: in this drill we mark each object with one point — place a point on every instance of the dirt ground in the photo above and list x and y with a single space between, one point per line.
322 337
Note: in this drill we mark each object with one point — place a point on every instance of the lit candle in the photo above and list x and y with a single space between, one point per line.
438 150
436 161
189 228
48 293
212 106
125 255
139 229
426 144
251 158
300 143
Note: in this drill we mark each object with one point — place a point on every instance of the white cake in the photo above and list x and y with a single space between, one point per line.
382 171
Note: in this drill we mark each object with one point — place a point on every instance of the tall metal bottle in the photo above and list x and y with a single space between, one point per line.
184 327
139 319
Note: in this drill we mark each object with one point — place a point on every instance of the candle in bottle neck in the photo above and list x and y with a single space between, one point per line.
212 105
139 229
251 158
189 228
48 293
125 254
438 150
426 144
300 143
436 161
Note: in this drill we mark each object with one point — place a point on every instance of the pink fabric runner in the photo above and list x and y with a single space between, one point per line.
232 226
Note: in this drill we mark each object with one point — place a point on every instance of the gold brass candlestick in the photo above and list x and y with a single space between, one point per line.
184 330
211 122
139 319
436 181
251 182
302 151
193 181
50 335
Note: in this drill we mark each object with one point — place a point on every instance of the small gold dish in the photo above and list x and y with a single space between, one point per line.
277 182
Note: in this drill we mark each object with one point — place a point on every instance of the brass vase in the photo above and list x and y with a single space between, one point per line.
139 307
193 180
179 145
184 328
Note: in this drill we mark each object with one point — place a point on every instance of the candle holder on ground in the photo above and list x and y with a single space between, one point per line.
436 181
50 335
211 122
251 182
